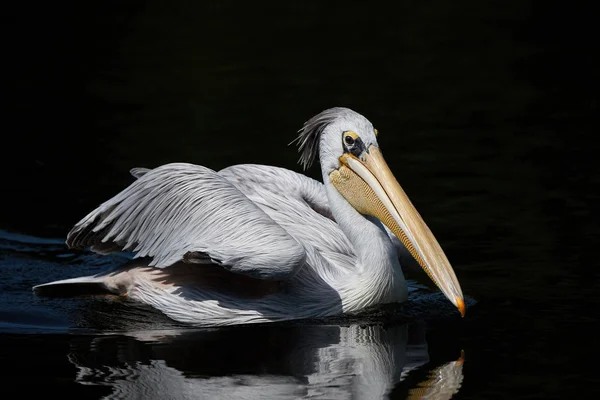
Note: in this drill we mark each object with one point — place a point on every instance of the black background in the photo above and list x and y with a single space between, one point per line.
487 113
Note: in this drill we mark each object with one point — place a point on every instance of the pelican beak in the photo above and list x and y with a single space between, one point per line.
367 183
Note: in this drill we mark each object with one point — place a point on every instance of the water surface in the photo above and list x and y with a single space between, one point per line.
486 115
121 349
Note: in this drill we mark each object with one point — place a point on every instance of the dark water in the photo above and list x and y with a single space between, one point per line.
486 114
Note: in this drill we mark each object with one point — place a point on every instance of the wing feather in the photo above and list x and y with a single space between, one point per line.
188 212
297 198
294 201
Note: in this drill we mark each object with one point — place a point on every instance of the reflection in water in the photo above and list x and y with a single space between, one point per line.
443 381
263 362
143 354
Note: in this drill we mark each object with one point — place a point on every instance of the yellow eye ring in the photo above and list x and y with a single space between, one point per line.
350 137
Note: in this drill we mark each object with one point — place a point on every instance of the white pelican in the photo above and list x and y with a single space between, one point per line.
315 361
255 243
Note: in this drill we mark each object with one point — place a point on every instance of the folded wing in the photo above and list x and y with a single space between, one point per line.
184 212
258 181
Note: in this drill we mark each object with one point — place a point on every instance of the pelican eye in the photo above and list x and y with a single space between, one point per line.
352 143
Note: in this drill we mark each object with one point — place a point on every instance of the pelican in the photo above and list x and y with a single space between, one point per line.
255 243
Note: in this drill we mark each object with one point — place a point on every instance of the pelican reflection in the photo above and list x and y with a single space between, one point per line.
273 362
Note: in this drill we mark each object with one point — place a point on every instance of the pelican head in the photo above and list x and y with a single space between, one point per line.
346 143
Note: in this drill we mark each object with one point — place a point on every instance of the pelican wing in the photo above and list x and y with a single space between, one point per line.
266 185
295 202
255 179
188 212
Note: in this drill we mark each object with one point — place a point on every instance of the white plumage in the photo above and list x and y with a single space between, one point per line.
325 362
255 243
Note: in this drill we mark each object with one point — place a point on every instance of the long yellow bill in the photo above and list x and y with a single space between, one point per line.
371 188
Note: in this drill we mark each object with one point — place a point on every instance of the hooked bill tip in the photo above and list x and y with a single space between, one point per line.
461 360
460 304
